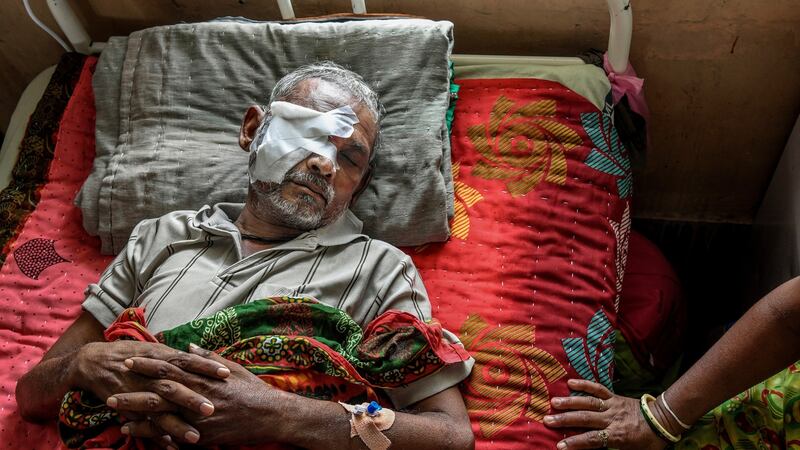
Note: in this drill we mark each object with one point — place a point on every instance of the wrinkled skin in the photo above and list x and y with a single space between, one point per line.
619 416
235 398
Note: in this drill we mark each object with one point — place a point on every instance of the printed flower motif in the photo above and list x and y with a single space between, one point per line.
273 348
593 356
36 255
523 144
622 232
609 155
511 376
393 376
219 329
466 197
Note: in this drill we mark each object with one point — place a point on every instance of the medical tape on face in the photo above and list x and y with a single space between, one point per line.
369 427
292 135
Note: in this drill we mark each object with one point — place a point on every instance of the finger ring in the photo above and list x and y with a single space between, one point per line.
603 436
602 405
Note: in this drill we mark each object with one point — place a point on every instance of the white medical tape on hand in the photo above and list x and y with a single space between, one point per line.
294 133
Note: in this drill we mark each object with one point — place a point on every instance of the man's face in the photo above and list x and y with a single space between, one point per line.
314 193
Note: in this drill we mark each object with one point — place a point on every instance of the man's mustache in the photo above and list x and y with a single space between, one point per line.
300 177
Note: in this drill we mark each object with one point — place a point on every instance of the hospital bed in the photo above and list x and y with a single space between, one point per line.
530 277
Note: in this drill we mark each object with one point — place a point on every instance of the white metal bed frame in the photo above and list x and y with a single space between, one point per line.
619 39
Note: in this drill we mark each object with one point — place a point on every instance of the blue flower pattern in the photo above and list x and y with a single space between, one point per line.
608 155
592 357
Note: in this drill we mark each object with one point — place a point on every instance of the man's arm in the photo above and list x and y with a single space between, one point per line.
40 391
440 421
437 422
81 360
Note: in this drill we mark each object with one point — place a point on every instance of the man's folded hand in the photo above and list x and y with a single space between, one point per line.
235 399
104 368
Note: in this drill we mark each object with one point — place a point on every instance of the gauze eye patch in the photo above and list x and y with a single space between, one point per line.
295 132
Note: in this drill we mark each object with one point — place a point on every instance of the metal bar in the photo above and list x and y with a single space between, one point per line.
619 37
359 6
70 25
287 12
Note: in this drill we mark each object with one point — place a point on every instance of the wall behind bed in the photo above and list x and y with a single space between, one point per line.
721 75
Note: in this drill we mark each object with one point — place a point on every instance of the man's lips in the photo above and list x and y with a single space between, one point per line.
314 190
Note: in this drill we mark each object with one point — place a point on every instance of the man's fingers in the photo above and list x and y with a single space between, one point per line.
177 428
199 351
589 387
579 403
165 442
189 362
162 425
590 439
576 419
142 429
140 402
181 396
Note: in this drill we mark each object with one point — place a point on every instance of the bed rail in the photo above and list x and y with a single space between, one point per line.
619 37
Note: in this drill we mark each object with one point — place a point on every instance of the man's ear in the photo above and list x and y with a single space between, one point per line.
362 186
252 119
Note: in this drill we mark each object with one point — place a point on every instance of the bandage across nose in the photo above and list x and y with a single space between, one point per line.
294 133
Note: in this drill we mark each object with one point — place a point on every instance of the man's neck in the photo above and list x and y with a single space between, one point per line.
250 223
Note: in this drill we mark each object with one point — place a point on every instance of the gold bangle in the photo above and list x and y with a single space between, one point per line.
653 422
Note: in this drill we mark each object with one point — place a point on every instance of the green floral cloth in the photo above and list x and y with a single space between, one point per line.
764 417
294 344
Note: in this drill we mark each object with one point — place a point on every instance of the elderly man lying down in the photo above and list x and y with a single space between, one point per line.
275 321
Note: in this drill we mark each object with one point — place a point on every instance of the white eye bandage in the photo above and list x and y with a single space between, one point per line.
294 133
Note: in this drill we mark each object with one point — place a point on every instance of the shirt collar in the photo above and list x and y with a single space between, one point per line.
344 230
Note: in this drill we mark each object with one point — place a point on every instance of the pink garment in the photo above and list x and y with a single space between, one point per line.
630 85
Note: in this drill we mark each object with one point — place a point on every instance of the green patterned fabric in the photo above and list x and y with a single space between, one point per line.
764 417
297 345
451 109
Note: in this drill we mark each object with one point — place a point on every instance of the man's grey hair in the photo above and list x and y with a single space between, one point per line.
350 82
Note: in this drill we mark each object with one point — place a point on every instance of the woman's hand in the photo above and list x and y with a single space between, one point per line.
614 421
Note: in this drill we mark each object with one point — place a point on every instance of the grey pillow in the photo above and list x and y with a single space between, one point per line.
105 84
183 90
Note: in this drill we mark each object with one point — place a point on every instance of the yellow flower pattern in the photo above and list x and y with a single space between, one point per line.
466 197
511 376
523 145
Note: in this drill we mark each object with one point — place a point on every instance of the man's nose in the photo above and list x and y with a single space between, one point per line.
321 165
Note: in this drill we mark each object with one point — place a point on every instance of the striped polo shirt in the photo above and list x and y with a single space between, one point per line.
189 264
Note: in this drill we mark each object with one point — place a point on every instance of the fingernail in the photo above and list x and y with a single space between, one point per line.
223 372
167 438
193 346
561 445
207 408
129 363
191 436
125 429
548 419
556 402
111 402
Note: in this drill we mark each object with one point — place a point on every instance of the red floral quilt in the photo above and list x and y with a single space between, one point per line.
531 275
